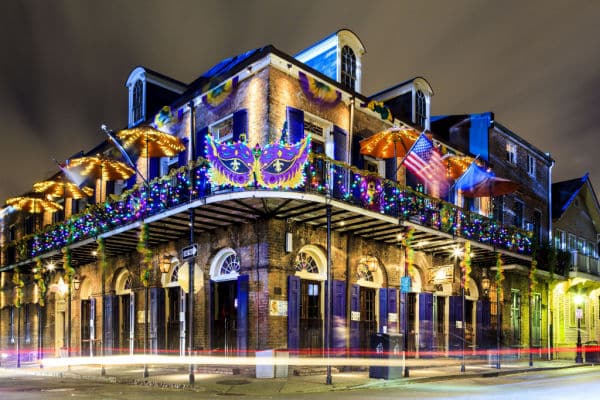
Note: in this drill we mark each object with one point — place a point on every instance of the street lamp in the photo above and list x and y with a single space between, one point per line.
485 283
578 299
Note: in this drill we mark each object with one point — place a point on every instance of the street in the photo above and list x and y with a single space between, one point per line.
571 383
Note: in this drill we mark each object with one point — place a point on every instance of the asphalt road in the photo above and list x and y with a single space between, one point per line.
570 384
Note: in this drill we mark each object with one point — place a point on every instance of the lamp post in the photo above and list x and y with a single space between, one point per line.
458 253
578 299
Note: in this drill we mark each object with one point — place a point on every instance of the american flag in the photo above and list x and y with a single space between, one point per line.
425 162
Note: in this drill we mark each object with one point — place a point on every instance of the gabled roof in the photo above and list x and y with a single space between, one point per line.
565 192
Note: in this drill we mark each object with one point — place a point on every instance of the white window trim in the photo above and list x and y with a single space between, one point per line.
217 263
326 139
225 138
511 148
380 164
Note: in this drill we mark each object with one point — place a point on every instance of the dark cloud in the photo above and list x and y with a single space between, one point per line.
64 64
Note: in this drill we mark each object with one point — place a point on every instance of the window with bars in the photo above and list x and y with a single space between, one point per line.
348 74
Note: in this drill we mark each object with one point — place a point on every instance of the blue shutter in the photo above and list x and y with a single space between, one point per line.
382 309
240 124
403 310
156 319
182 158
92 322
201 142
211 312
354 325
111 325
339 144
392 308
390 169
339 315
293 313
455 309
242 312
132 179
358 160
154 168
483 324
426 322
295 125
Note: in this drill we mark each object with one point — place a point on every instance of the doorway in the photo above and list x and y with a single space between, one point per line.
368 318
176 320
311 320
440 323
224 321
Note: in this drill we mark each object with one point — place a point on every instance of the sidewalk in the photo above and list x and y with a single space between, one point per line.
177 376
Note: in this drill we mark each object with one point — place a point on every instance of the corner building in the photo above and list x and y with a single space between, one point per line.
269 251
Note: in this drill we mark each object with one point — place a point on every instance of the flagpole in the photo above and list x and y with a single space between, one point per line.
409 151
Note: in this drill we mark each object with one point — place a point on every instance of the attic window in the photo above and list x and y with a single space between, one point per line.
420 109
138 101
348 68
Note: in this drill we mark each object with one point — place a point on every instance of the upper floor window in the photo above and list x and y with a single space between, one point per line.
560 240
511 153
222 130
348 68
531 166
518 221
420 109
138 101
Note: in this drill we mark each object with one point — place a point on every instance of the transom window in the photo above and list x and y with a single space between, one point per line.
348 68
305 262
511 153
222 130
230 265
420 109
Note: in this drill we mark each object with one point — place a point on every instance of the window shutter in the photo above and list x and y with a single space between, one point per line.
240 124
339 315
426 322
354 325
132 179
92 320
111 323
390 169
392 308
293 313
483 324
358 160
340 149
131 322
182 158
154 165
382 309
455 303
295 119
242 312
201 142
181 318
157 319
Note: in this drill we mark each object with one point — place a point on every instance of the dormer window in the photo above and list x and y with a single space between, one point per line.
348 68
138 101
420 109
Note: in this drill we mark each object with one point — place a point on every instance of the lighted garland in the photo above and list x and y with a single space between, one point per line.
146 253
38 276
465 265
68 264
499 275
19 284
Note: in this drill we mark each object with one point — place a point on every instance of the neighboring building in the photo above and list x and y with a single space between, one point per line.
576 224
264 246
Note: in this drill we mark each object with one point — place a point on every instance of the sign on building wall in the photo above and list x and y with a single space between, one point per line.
441 274
278 308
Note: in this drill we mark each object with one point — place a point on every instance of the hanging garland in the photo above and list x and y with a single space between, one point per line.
532 278
146 254
19 284
40 281
319 92
220 95
68 265
380 108
101 252
465 265
499 275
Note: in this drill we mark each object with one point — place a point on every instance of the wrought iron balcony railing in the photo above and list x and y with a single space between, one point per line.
324 176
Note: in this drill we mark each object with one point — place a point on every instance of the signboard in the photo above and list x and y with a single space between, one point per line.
405 284
355 316
441 274
189 251
278 308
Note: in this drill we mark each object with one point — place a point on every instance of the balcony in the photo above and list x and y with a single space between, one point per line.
354 191
587 264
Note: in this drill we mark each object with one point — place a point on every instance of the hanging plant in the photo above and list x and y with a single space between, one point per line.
499 274
101 254
19 284
68 265
146 254
40 281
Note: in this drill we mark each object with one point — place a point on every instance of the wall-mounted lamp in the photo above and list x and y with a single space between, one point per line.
76 282
368 263
485 282
168 261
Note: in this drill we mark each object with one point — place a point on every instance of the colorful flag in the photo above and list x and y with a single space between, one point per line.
425 162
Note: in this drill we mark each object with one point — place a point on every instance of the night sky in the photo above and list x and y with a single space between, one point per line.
64 64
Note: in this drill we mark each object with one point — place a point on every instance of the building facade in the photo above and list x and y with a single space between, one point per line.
300 238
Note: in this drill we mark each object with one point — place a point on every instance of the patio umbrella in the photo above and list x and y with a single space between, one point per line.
62 188
456 165
100 167
491 187
33 205
392 142
151 142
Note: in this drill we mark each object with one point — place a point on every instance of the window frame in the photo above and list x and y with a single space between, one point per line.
531 166
219 138
348 73
420 108
511 153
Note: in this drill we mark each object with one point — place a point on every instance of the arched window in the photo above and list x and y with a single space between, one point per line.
230 265
225 265
138 101
305 262
348 75
420 109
